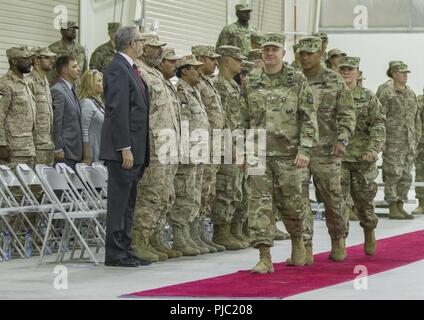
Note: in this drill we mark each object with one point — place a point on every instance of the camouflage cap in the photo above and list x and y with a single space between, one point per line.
336 52
274 39
43 52
322 35
243 7
152 39
207 51
351 62
113 26
400 67
247 66
255 54
295 48
391 64
66 25
258 38
188 60
310 44
19 52
169 54
231 51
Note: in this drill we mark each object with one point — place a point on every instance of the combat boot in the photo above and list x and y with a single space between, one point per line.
142 247
179 243
338 250
298 255
223 237
195 235
205 239
394 212
370 243
403 211
158 244
353 215
237 232
246 229
264 265
188 239
309 255
420 208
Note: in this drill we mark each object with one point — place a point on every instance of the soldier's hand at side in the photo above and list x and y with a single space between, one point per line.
302 161
369 156
339 150
4 154
59 156
128 159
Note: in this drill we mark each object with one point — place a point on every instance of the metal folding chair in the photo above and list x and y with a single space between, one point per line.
95 179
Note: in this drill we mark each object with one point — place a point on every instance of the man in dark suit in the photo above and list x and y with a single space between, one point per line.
67 134
124 145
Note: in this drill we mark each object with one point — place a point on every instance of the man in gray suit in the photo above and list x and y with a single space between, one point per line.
67 133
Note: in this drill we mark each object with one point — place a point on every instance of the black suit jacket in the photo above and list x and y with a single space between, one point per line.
126 121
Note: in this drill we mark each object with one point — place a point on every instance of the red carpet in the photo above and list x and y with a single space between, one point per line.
287 281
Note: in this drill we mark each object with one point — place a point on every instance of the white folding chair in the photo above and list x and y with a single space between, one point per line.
95 179
57 186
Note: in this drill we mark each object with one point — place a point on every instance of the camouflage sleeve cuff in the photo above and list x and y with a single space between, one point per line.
305 151
344 135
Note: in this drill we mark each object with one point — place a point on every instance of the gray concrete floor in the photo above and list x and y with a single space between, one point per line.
25 279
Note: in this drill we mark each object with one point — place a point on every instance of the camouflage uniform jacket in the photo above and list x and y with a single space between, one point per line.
17 116
39 85
370 132
296 66
212 100
176 109
102 56
403 121
336 112
238 36
282 104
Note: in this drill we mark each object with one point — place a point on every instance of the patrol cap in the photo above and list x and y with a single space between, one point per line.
188 60
274 39
310 44
400 67
207 51
322 35
169 54
19 52
232 52
243 7
152 39
258 38
255 54
336 52
351 62
43 52
113 26
66 25
391 63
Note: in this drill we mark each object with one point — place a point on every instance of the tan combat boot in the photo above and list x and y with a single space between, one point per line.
246 229
237 232
223 237
338 250
157 243
264 265
142 246
394 212
179 243
403 211
370 243
189 240
195 235
420 208
205 239
309 255
298 255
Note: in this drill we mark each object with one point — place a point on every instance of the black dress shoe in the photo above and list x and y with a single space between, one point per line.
140 261
123 263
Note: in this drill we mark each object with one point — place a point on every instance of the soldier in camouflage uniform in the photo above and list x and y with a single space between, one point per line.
403 133
104 54
324 38
336 122
37 80
17 111
238 34
296 62
227 224
257 40
419 164
359 166
189 178
151 203
389 82
280 101
212 101
334 58
68 46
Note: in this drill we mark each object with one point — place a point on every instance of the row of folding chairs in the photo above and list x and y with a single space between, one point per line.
63 209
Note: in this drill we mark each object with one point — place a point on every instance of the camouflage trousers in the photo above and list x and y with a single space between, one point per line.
169 196
326 172
229 194
279 188
44 157
397 176
150 197
185 195
15 161
419 171
358 180
208 190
